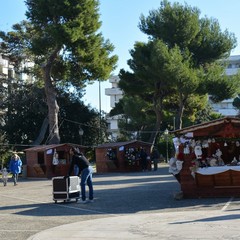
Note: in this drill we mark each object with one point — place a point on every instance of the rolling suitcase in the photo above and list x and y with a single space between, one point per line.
66 189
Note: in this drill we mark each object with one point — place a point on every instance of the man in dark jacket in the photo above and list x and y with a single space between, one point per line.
85 171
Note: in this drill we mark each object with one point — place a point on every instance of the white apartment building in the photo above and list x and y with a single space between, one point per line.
115 95
225 107
9 75
114 92
7 70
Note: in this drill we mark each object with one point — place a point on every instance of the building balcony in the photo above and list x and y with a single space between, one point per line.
227 112
113 91
114 79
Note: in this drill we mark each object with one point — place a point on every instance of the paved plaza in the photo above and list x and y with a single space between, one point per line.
127 206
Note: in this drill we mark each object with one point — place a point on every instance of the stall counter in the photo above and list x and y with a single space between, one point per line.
218 177
216 170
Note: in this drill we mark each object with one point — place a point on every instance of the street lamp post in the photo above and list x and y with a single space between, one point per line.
166 132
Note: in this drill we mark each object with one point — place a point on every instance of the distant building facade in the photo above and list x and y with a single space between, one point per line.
7 70
8 75
115 94
226 107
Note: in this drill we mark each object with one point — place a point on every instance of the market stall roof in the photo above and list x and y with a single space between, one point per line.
227 127
42 148
119 144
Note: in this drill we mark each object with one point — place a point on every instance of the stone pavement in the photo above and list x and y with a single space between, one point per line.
169 226
127 206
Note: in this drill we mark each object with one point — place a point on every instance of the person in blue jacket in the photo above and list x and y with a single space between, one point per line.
15 167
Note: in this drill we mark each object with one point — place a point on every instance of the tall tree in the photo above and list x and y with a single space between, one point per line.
64 39
181 25
148 79
190 47
200 43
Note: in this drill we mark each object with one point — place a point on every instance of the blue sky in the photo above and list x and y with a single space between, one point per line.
120 20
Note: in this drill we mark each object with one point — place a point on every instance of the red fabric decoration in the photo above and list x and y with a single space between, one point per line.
180 156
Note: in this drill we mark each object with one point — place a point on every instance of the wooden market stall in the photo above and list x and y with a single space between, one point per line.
47 161
215 172
120 156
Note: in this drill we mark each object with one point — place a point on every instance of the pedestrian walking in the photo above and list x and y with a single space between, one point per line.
155 158
144 159
15 167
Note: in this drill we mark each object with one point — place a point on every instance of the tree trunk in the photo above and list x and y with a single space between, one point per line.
157 103
51 95
42 132
180 115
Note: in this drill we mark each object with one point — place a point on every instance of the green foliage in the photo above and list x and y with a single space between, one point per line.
24 118
181 25
206 115
62 39
173 24
179 64
217 84
211 43
137 119
236 102
75 115
70 27
26 111
3 149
